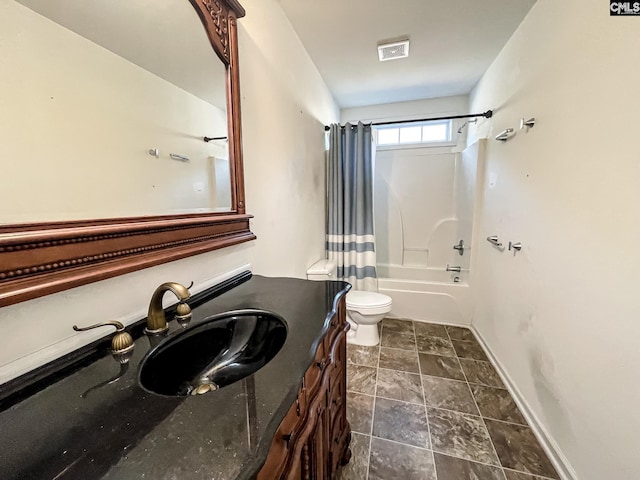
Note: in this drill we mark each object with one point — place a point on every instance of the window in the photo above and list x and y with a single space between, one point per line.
412 133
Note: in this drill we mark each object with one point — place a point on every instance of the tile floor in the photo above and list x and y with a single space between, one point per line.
427 404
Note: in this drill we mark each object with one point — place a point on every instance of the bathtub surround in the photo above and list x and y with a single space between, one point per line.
425 199
418 194
415 422
425 202
350 233
428 300
561 317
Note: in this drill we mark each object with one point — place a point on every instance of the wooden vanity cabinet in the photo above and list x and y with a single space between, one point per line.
312 440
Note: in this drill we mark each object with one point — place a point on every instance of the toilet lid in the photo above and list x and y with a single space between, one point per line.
362 299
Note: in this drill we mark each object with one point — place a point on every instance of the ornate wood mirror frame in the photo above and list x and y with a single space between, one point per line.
38 259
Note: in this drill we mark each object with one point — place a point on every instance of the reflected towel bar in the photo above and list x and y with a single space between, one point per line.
180 158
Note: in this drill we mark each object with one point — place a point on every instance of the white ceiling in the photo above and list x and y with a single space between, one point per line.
453 42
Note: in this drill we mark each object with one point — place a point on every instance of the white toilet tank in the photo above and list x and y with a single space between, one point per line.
322 270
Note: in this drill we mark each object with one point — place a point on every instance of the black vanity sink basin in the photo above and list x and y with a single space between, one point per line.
217 352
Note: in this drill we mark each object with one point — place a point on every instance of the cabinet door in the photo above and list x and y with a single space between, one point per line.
318 446
282 445
339 430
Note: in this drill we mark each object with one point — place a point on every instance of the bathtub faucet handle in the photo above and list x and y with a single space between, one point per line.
453 269
516 247
459 247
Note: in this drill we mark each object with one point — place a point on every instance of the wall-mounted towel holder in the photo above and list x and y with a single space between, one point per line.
506 135
515 247
493 240
527 123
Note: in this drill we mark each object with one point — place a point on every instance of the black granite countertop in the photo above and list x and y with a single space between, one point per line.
73 429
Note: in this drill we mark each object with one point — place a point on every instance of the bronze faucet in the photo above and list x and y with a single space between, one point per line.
156 320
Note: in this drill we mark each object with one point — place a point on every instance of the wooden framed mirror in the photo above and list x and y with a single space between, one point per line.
40 257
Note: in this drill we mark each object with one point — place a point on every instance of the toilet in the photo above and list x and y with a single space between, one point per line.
364 309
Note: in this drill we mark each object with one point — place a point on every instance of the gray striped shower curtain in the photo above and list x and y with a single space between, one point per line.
350 234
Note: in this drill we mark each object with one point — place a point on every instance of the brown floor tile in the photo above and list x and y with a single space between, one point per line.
397 325
400 386
394 339
391 460
394 359
471 350
448 394
360 412
481 373
357 467
360 355
435 345
439 366
461 333
450 468
521 476
430 330
461 435
401 422
497 403
519 449
361 379
464 444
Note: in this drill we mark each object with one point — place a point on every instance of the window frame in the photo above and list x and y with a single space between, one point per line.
428 144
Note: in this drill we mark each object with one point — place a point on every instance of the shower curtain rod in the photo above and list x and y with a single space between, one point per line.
487 114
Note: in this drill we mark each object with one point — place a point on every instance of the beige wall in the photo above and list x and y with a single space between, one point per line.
284 141
284 105
562 316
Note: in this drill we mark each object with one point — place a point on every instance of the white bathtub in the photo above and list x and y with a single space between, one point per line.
426 294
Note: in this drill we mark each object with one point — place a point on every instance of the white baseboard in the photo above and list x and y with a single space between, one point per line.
551 448
428 320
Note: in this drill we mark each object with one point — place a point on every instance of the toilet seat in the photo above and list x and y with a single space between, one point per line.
368 303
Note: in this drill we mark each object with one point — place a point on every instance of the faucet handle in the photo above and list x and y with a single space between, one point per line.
183 311
183 314
122 344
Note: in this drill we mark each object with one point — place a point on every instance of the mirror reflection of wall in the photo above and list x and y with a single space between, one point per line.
87 91
220 183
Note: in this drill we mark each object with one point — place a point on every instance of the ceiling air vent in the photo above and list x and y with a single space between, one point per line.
391 51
